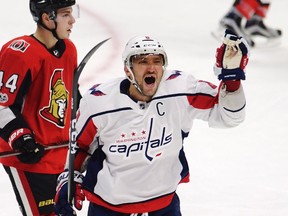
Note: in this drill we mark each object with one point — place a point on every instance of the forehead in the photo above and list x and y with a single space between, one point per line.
147 57
65 10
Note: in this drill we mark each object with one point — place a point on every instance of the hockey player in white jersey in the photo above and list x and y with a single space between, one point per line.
131 129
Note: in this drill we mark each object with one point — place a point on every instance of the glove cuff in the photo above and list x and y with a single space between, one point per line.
63 178
16 134
229 74
232 85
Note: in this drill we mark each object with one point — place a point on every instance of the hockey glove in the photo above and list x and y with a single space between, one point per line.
22 140
62 206
231 57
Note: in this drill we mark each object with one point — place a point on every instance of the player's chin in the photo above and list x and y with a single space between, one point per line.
66 34
150 89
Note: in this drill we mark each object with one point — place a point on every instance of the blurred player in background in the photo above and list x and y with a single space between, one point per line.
254 12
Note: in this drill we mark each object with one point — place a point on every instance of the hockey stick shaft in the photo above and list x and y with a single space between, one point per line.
73 134
46 148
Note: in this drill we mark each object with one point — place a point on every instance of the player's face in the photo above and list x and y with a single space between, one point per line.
65 20
148 71
62 103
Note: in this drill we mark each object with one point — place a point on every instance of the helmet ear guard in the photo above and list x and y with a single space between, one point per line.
143 45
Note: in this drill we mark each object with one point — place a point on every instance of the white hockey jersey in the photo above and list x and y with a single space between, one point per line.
138 158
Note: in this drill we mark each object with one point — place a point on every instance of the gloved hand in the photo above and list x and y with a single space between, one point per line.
23 141
62 206
231 57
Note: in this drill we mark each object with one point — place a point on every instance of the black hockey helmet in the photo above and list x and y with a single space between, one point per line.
38 7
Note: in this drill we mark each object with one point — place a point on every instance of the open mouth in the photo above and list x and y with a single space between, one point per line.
149 80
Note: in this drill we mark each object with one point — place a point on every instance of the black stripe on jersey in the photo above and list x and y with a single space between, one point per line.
111 111
181 94
235 110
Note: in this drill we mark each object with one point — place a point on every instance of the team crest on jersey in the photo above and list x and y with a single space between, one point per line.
174 75
55 112
19 45
142 142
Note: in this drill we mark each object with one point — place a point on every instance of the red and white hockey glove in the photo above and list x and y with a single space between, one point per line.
231 58
62 206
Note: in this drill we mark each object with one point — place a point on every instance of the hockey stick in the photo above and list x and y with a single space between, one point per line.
46 148
73 134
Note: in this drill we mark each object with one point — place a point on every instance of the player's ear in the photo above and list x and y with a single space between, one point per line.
47 21
127 72
45 17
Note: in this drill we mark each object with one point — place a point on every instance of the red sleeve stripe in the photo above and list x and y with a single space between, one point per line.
202 101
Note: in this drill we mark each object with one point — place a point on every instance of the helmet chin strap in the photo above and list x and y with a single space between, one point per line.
53 31
133 81
52 16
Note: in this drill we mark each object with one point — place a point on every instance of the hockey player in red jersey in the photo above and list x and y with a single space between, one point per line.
36 75
131 130
254 11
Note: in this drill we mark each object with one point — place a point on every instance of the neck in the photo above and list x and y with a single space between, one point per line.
46 37
135 94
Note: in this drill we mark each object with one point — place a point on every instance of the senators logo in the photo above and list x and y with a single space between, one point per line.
19 45
55 112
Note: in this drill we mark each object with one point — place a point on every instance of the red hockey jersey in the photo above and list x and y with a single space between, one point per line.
35 90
